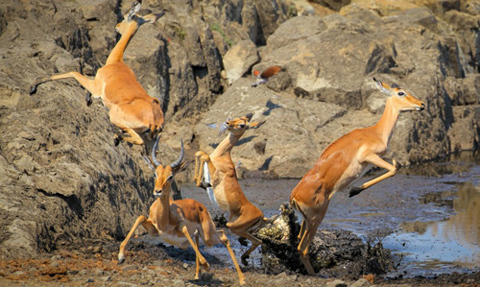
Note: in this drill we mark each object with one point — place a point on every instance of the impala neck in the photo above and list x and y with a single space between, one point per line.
387 122
163 210
227 144
117 53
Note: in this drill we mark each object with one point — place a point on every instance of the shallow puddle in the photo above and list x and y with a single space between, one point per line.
434 247
445 236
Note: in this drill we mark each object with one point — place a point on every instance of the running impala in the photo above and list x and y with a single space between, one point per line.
176 222
130 107
219 172
343 161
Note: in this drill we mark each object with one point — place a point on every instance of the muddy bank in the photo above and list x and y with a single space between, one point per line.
93 264
334 253
415 196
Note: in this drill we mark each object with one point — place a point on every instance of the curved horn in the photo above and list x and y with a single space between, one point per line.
156 162
180 157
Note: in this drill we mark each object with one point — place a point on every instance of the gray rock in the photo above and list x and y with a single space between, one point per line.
239 59
178 283
130 267
336 283
362 282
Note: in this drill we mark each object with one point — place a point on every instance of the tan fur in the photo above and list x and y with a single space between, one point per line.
130 107
342 162
177 222
271 71
244 217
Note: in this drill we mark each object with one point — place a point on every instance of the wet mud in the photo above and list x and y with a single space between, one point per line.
389 235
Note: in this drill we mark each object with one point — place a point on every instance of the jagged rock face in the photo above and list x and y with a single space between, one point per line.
61 177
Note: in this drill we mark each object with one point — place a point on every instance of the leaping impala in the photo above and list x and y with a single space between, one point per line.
176 222
244 217
130 107
343 161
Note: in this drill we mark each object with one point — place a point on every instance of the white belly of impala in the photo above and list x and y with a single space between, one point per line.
352 175
181 242
221 198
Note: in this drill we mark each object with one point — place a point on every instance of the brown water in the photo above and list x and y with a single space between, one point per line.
428 215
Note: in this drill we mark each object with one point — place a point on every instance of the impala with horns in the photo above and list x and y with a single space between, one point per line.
179 222
131 109
220 177
343 161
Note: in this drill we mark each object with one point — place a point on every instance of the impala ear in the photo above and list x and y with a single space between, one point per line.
183 166
385 88
255 125
249 116
153 17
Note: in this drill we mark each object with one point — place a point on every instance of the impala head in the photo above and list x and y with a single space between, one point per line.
262 78
238 126
402 99
165 173
136 18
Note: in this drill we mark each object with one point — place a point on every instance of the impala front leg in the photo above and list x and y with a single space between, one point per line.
226 243
200 257
146 224
378 161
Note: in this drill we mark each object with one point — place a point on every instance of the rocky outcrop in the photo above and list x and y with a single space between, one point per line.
63 179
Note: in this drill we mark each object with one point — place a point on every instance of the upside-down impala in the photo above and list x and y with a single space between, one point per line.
244 217
345 160
177 222
263 77
130 107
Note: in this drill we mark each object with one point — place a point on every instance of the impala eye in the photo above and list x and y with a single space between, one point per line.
401 94
170 177
241 126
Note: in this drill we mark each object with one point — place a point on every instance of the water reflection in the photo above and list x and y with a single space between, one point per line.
437 246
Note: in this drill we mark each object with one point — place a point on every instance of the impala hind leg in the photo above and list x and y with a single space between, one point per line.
197 262
302 230
255 243
200 159
146 224
304 245
81 79
226 243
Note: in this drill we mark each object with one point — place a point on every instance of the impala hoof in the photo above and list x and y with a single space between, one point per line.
206 266
244 260
116 139
204 185
88 99
356 190
33 89
121 260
